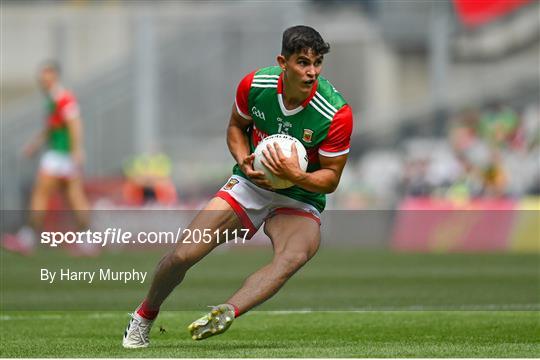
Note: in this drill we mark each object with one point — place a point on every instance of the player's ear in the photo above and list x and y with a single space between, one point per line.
282 61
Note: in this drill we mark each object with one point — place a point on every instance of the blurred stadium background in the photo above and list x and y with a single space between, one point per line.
445 93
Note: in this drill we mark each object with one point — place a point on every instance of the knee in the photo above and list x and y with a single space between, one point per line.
180 259
289 263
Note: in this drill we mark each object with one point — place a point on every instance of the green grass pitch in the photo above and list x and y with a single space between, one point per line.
344 303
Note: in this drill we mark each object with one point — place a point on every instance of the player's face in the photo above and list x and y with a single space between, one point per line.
301 70
47 79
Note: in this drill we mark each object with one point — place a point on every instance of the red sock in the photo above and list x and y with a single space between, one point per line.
236 310
146 312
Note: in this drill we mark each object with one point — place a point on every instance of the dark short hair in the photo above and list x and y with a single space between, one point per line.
302 38
50 65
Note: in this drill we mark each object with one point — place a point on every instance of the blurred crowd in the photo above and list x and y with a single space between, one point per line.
490 151
148 180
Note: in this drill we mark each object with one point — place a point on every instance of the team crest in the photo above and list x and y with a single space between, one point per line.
230 184
308 134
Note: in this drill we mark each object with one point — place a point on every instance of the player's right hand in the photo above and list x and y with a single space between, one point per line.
257 177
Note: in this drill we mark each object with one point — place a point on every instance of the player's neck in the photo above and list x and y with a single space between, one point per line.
292 99
55 90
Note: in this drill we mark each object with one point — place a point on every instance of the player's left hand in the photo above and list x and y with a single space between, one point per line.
285 167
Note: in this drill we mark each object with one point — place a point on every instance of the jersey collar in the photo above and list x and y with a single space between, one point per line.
302 106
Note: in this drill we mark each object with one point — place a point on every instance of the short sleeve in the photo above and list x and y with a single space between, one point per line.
242 95
338 140
69 109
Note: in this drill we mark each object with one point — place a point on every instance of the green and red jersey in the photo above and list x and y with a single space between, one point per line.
323 123
61 105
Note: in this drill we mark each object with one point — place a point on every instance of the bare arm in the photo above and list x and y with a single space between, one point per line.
325 180
238 144
36 143
237 139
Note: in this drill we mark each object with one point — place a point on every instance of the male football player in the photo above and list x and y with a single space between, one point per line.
292 99
61 164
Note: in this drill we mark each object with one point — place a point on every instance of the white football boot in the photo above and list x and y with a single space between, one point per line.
137 332
217 321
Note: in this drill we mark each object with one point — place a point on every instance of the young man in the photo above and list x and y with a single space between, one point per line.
290 99
60 165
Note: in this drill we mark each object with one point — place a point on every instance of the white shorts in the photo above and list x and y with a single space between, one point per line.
254 205
59 164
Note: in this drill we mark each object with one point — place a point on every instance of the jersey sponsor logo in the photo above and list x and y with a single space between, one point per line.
230 184
283 126
308 135
258 113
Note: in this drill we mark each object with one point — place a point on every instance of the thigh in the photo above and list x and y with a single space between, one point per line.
293 234
218 216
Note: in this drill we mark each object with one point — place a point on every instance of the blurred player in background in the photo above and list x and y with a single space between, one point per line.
61 164
289 99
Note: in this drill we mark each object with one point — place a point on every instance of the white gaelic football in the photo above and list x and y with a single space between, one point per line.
285 143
